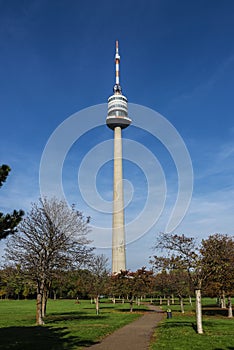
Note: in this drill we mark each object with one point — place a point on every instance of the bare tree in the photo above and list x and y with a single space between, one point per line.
52 237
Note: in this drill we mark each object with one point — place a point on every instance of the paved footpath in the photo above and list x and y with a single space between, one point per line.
133 336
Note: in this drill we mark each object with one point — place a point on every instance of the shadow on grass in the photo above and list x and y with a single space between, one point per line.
176 324
71 316
214 311
228 348
134 310
38 338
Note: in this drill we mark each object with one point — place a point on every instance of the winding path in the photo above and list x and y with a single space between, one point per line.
133 336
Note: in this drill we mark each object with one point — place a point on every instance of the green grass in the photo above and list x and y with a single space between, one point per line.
68 325
179 332
71 326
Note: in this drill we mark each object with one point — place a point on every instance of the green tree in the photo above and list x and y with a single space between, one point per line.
4 172
15 284
8 222
83 278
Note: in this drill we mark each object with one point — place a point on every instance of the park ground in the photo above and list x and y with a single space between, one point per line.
74 326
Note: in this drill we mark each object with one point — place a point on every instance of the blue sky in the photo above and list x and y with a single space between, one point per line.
177 58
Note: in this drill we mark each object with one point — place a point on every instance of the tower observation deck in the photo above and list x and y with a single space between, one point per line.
117 119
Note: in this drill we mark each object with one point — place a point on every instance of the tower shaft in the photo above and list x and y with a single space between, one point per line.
118 119
118 230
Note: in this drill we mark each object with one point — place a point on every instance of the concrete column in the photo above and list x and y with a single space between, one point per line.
118 231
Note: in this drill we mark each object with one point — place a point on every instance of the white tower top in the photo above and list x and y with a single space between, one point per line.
117 103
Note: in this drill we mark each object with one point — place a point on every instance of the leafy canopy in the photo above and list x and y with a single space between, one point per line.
8 222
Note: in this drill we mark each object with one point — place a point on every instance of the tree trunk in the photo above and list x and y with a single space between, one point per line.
230 313
181 304
168 301
172 299
97 304
44 302
160 301
190 301
131 305
39 317
198 311
223 300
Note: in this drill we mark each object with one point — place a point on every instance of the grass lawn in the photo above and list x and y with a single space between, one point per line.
179 332
68 325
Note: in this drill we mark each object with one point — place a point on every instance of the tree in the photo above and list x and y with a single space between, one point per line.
4 172
83 278
142 282
187 256
8 222
52 237
174 279
122 285
162 285
130 285
218 257
98 278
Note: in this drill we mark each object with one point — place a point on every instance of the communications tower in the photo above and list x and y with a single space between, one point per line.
118 119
